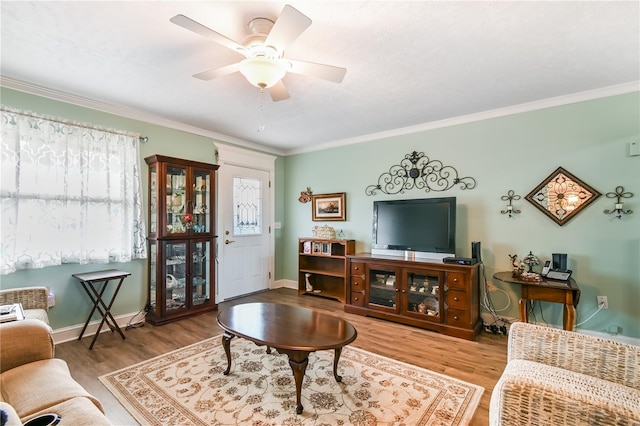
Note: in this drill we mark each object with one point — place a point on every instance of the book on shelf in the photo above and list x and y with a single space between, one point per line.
11 312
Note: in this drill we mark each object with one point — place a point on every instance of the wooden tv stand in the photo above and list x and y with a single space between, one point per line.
435 296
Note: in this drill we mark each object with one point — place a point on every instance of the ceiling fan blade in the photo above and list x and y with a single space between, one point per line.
325 72
289 25
278 92
218 72
198 28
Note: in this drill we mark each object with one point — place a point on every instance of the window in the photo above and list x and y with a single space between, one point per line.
247 206
70 193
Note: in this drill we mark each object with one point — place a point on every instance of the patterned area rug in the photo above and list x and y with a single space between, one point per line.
187 387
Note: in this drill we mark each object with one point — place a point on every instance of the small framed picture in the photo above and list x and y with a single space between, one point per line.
329 207
306 247
326 249
317 248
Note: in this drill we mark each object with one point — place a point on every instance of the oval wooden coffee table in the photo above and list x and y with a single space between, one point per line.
290 330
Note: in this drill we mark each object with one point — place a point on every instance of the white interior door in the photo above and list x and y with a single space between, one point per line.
244 205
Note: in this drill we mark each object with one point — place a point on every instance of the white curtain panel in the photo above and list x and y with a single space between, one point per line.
71 193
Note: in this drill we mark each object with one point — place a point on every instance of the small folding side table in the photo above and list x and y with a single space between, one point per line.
95 283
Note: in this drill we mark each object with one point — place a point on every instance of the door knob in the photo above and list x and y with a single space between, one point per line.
229 241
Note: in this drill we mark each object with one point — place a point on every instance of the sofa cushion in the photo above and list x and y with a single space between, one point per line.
36 386
533 393
78 411
39 314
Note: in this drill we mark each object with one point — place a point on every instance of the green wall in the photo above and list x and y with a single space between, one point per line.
588 139
514 152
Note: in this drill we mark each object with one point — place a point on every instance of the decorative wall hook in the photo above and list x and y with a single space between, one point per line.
305 196
618 210
417 171
510 197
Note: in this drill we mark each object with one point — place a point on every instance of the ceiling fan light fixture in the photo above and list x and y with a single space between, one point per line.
262 72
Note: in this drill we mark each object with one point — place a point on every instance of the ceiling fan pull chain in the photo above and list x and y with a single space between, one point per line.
261 128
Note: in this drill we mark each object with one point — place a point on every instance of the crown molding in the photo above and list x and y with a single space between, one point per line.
605 92
139 115
130 113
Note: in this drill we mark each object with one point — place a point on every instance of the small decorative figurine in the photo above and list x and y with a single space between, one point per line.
518 267
306 280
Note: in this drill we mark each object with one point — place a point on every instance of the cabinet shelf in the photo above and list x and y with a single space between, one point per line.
322 272
322 265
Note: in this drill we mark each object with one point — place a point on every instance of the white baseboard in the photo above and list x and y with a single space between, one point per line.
286 284
66 334
488 319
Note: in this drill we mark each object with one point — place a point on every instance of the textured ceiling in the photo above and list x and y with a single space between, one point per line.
408 63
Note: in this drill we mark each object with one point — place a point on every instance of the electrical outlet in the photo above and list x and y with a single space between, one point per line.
602 300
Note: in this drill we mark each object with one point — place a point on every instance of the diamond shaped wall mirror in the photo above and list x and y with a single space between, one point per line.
561 196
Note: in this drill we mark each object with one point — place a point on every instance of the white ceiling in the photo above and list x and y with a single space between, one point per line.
409 64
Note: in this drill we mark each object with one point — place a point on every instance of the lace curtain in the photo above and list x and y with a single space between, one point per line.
70 193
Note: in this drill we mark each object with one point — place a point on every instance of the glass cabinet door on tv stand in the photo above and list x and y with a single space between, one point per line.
181 238
423 295
383 287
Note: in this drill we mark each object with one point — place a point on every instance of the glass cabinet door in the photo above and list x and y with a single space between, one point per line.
176 181
201 198
200 272
153 281
153 200
175 275
423 296
382 287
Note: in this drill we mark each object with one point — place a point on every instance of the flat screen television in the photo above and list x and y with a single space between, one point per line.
421 228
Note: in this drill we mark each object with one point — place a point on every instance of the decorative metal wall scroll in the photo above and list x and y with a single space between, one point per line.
417 171
509 209
561 196
618 210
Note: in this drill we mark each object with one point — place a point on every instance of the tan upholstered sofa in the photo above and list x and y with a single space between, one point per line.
557 377
33 382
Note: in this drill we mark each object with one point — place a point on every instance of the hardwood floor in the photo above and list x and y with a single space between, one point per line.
480 362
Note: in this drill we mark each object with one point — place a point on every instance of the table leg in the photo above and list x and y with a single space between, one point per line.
226 344
84 286
569 317
336 358
524 310
298 361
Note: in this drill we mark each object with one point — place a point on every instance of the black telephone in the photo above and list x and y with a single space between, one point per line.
559 274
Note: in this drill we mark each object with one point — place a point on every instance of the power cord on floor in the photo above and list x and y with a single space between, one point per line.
138 319
487 304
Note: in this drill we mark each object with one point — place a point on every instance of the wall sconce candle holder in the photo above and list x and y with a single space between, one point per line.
510 197
618 210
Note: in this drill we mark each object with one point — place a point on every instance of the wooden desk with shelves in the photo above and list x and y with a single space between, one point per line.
566 292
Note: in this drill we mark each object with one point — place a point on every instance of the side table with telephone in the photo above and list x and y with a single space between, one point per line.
557 286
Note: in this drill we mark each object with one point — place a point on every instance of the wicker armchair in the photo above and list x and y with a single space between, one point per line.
557 377
35 301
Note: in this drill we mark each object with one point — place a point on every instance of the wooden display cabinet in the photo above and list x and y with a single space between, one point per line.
322 267
181 238
435 296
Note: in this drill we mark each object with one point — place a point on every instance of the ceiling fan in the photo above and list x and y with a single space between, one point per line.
264 65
